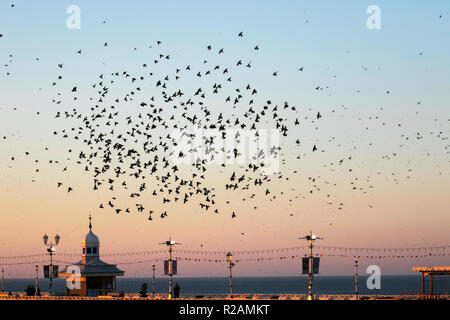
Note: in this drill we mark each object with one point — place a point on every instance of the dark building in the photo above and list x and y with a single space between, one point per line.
96 277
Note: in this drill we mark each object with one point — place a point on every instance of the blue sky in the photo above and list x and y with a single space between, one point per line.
38 29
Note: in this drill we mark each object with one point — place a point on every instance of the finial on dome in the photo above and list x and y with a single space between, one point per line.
90 224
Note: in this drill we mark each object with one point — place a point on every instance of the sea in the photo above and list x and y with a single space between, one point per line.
389 285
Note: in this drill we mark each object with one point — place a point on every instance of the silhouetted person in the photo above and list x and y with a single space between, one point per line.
30 290
176 291
144 290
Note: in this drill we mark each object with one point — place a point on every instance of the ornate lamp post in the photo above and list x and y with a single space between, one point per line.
51 248
230 265
170 243
310 238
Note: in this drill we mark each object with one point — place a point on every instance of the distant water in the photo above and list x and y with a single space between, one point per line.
407 284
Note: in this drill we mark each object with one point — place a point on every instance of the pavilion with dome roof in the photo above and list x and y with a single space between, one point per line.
97 277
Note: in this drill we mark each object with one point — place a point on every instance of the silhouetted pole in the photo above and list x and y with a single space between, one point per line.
170 269
153 282
37 276
3 280
50 250
356 280
230 265
50 271
310 238
311 275
170 244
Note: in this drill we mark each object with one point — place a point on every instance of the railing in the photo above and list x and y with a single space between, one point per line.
136 296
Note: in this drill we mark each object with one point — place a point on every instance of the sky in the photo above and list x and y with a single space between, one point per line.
397 141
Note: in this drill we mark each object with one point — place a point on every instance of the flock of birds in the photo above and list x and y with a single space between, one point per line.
137 158
125 132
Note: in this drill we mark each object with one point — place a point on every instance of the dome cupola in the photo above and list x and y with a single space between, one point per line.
91 243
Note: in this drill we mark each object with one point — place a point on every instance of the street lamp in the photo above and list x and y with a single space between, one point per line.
356 280
310 238
230 265
170 243
153 282
51 248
